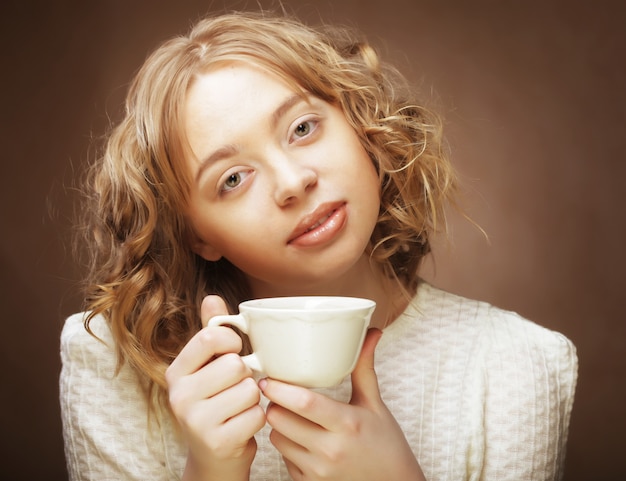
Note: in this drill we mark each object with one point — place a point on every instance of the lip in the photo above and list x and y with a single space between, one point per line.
320 225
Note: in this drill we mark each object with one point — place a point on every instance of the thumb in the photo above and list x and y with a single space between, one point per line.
364 381
211 306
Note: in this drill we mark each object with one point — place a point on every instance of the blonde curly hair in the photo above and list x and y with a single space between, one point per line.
144 277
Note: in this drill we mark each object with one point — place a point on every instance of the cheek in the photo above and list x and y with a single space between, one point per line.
368 180
371 192
237 232
252 257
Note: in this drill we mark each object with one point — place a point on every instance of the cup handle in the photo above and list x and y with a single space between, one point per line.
252 361
237 320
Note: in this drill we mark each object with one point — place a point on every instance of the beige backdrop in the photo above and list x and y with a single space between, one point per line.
534 96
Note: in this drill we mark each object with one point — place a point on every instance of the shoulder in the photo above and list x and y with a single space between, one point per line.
90 348
497 329
75 327
89 359
518 378
499 346
522 367
106 428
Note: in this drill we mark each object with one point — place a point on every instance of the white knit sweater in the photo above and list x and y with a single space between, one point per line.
480 393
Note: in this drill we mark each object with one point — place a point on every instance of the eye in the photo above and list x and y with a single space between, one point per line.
234 180
304 129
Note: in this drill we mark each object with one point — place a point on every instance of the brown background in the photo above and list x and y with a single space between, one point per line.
534 96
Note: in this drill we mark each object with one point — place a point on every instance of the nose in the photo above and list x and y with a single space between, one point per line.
293 180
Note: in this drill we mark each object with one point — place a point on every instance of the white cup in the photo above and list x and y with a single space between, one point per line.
312 341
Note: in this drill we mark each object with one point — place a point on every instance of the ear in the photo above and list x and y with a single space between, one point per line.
205 250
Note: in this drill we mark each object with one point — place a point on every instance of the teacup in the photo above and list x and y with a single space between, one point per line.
311 341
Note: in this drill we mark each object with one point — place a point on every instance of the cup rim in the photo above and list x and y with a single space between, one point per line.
261 304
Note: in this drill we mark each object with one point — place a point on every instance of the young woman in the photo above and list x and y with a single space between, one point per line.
259 157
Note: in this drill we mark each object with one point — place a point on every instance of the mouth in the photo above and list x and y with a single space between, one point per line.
319 225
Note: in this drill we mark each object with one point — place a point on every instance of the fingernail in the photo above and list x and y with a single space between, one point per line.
262 384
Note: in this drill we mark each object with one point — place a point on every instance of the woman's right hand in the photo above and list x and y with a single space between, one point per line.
216 401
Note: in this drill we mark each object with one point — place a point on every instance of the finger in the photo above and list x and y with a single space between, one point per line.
236 399
211 306
215 377
244 425
293 454
364 381
229 418
204 346
294 471
303 402
299 430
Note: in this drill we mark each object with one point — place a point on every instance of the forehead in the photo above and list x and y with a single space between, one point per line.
235 65
233 90
232 100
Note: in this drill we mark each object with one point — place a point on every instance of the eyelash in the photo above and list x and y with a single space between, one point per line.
313 123
242 174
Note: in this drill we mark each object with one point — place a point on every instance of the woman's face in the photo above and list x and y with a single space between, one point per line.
281 185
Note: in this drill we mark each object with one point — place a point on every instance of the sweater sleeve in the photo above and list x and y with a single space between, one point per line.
531 375
106 430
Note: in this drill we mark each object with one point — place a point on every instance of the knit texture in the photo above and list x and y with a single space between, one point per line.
480 393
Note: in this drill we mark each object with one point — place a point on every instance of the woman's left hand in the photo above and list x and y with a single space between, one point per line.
320 438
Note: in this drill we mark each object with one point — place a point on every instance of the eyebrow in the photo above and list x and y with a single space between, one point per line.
287 105
231 149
